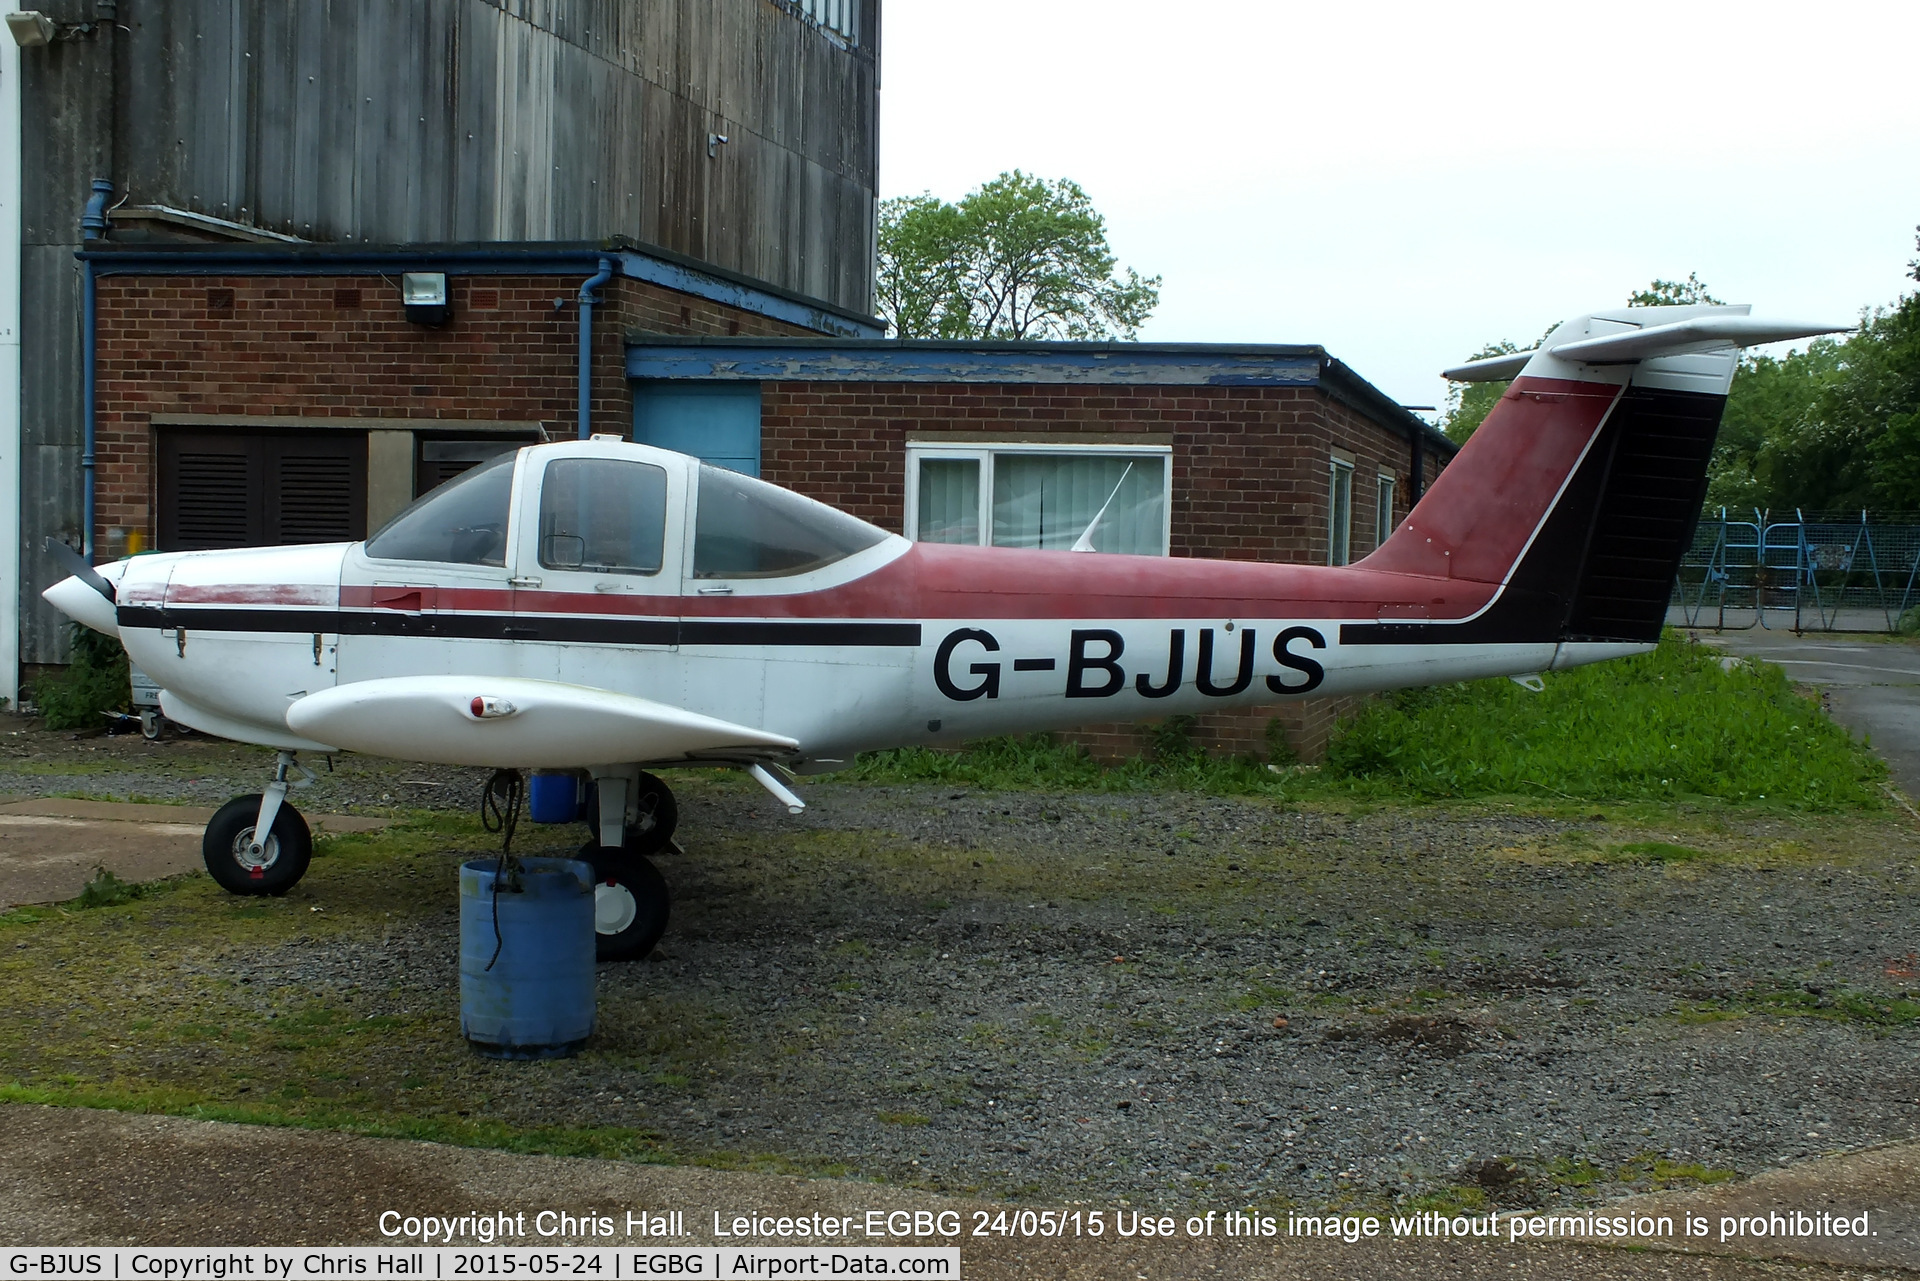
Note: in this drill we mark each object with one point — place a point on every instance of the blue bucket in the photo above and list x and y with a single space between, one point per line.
553 798
527 992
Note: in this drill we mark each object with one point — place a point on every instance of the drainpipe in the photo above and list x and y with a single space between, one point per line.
587 301
93 226
10 531
1418 464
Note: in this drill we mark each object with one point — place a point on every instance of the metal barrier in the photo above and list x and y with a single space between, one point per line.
1827 572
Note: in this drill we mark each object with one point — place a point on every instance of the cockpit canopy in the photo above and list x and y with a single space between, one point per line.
611 513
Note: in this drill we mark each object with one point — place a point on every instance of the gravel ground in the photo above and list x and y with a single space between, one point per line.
1168 996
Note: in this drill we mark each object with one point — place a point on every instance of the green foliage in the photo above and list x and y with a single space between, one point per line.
1672 723
1834 427
1040 762
105 889
95 681
1017 258
1468 404
1673 293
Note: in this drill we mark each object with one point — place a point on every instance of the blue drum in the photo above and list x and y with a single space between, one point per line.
527 991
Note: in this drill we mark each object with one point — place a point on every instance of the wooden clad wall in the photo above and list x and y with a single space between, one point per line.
390 121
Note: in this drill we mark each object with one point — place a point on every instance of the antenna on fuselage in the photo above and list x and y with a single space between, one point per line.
1084 543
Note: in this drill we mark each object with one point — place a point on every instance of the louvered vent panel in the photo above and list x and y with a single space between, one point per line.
210 501
316 499
1646 516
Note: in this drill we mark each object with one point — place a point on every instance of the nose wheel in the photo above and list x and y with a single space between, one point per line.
630 903
242 864
259 844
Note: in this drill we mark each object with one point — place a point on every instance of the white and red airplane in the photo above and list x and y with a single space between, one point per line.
611 608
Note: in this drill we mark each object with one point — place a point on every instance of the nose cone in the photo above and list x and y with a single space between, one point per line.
83 604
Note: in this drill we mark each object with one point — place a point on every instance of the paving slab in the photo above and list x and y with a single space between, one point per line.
85 1177
50 848
1778 1214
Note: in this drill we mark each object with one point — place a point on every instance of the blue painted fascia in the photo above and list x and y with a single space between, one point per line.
792 309
1121 364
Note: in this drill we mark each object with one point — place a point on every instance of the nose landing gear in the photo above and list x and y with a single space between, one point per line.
259 844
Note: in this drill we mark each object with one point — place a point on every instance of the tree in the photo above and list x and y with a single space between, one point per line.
1017 258
1673 293
1468 404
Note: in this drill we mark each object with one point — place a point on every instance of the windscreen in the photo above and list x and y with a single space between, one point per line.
746 528
463 522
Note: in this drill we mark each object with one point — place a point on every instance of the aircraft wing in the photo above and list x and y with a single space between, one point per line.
516 722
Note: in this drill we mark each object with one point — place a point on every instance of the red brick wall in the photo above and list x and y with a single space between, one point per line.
341 347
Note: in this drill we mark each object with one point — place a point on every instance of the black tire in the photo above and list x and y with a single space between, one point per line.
658 815
289 848
630 903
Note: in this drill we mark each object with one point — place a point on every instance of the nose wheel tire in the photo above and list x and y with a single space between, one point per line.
630 903
652 816
278 865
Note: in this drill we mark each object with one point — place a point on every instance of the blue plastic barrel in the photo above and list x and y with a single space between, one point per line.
534 999
553 798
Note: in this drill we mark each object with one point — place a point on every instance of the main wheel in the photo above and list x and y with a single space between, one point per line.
630 903
283 856
652 816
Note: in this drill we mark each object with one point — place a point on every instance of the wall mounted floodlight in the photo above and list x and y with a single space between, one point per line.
714 143
425 295
30 28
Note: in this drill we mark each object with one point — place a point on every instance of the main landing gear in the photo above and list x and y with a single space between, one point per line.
630 898
259 844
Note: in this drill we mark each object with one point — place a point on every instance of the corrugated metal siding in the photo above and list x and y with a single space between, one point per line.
418 120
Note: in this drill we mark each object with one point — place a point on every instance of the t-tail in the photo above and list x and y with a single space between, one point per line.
1578 495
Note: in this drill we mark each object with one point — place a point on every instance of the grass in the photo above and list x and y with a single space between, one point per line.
1876 1011
1670 725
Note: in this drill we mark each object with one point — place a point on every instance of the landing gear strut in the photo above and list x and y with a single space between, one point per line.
259 844
632 815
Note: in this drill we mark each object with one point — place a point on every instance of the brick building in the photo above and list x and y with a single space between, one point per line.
256 394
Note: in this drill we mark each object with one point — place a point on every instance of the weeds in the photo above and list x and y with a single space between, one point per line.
95 681
1657 727
107 890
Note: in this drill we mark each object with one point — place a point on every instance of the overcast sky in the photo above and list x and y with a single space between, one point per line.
1402 183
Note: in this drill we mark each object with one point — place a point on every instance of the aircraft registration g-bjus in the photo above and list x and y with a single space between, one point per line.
614 609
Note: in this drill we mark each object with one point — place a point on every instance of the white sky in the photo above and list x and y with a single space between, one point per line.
1404 182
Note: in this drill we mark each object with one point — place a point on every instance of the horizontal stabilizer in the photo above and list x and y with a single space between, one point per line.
1696 333
513 722
1709 329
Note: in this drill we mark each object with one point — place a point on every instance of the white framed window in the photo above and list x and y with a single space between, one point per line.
1109 498
1383 509
1339 512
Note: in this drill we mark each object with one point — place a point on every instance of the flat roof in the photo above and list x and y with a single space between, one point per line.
1118 364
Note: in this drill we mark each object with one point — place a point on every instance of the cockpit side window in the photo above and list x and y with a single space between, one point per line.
603 514
463 522
746 528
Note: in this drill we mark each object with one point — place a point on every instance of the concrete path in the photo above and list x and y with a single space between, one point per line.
50 848
80 1177
1870 684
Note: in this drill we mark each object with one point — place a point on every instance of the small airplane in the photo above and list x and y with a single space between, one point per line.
613 609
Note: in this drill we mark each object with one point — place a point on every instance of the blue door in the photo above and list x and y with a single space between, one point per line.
718 423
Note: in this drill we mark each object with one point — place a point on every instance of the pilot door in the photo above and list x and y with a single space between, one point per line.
596 571
429 593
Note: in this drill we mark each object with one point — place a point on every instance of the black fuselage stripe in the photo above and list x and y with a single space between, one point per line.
537 627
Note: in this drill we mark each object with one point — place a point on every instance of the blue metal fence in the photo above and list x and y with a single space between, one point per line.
1819 572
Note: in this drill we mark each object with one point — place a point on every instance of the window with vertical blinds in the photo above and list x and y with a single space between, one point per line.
245 488
1339 512
1053 498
